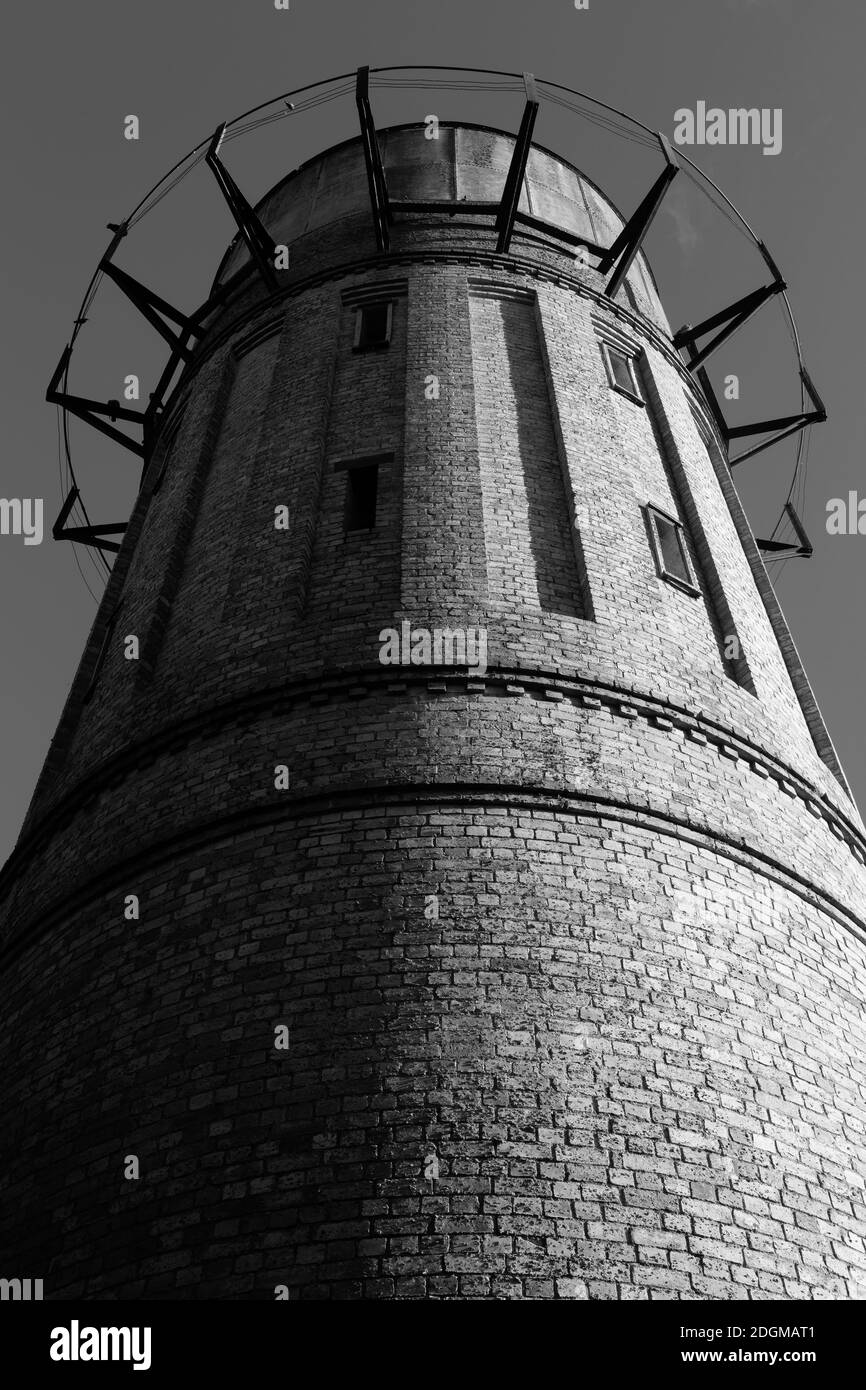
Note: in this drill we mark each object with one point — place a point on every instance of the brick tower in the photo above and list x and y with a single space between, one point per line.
457 895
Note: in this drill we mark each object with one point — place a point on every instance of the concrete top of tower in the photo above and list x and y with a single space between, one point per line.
466 164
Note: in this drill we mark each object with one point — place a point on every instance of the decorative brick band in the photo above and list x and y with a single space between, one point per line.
373 293
491 260
349 686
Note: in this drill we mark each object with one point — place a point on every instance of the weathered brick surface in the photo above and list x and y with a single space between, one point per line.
638 1062
632 1036
531 557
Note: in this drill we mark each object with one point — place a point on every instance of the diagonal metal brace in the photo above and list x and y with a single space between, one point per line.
90 411
713 402
517 168
87 535
196 320
373 160
782 426
260 244
631 238
154 308
728 320
805 547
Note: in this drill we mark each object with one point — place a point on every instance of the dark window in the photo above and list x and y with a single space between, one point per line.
620 372
361 488
372 326
669 547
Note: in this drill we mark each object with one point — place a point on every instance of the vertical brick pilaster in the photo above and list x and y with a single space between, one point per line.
444 557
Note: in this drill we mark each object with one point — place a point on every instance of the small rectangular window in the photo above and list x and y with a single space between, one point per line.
670 550
373 326
362 484
620 373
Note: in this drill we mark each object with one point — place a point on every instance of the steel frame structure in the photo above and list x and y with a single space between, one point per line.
182 330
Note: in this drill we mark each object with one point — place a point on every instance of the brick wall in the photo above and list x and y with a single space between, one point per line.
527 519
587 927
635 1058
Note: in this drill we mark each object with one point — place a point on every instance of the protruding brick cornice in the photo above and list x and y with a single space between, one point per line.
471 255
516 683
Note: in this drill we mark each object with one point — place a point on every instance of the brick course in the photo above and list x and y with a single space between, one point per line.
587 927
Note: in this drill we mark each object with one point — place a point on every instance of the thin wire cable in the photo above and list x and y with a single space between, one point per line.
169 188
605 123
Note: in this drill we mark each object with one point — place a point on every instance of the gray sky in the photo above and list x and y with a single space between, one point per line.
71 73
